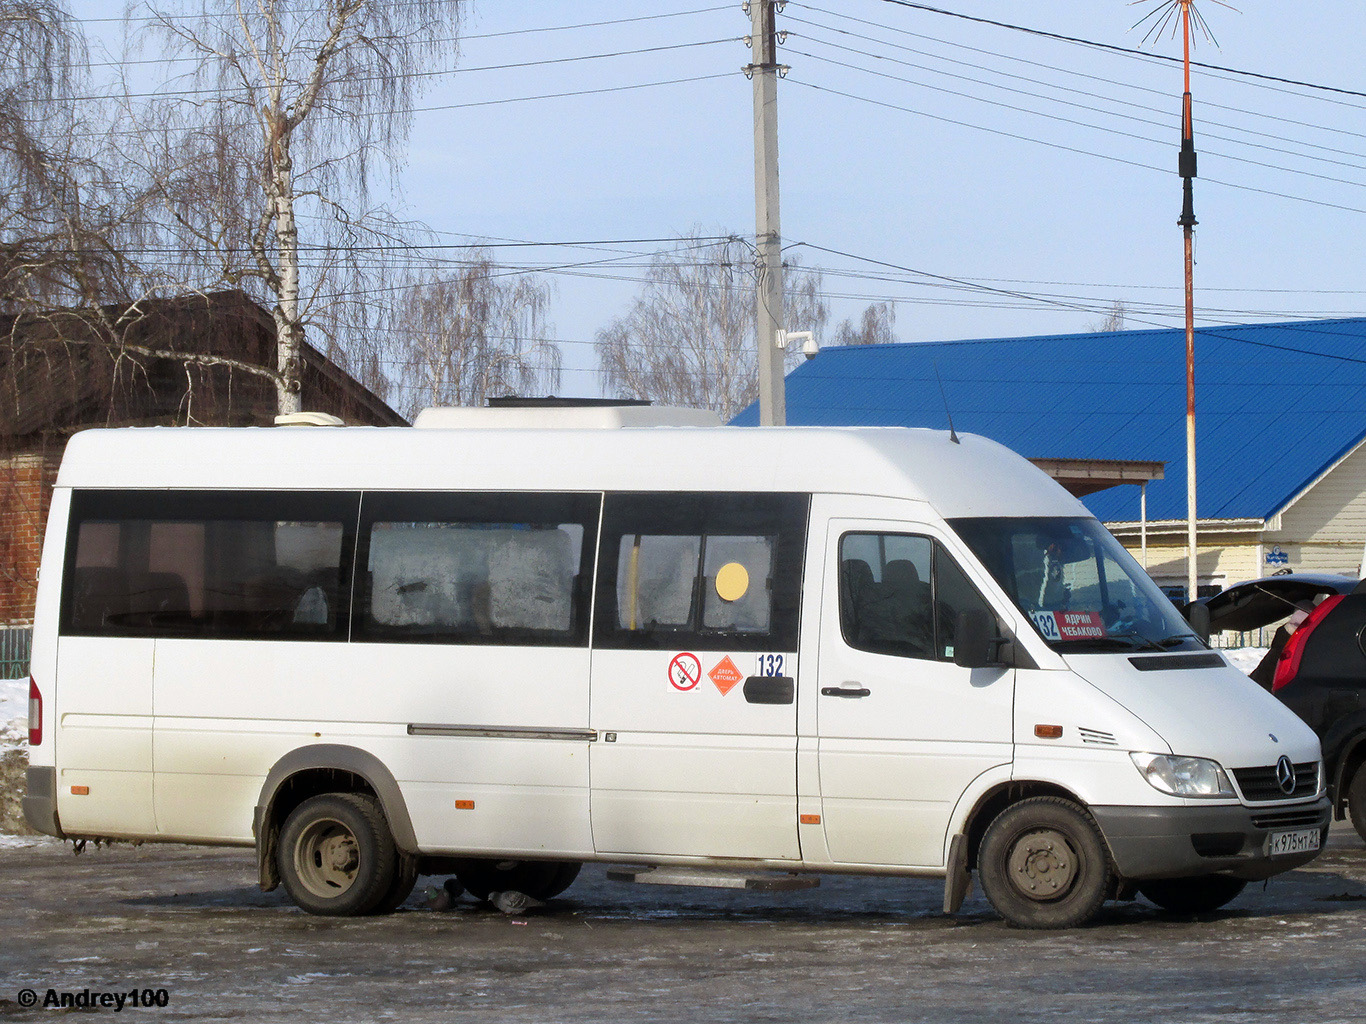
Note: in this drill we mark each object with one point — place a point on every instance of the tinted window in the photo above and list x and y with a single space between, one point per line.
703 570
901 594
209 563
485 568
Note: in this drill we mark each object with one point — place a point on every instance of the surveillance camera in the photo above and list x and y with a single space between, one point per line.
807 338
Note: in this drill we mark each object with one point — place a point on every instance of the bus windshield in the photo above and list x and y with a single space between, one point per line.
1082 591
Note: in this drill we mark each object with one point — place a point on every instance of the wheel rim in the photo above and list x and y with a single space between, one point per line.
326 858
1042 865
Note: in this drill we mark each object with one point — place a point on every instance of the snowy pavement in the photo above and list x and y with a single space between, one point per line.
193 924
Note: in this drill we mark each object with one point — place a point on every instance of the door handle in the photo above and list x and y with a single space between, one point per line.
845 691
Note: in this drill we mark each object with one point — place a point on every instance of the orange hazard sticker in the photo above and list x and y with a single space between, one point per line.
725 675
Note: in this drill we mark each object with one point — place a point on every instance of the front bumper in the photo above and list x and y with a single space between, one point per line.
1179 842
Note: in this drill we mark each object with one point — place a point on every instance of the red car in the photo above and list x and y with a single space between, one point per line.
1320 673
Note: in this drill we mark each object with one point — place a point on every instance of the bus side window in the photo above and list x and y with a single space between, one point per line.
220 564
954 594
712 571
475 568
901 594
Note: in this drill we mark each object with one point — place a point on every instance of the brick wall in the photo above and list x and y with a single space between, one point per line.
25 493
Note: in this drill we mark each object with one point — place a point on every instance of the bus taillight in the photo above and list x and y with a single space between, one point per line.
35 714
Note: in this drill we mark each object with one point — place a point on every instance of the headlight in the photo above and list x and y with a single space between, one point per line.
1183 776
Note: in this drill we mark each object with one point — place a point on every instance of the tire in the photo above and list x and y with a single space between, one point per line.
405 877
1044 864
1199 895
539 879
336 855
1356 800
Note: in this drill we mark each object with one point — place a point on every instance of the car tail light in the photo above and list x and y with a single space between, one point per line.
1288 665
35 714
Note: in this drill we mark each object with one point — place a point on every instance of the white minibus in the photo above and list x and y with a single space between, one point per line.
709 654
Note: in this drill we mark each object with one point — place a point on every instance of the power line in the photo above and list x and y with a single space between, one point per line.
1071 121
187 94
1023 295
462 38
1120 49
1061 70
216 15
1205 125
1066 148
324 114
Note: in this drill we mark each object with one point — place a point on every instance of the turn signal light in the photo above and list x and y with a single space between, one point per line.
1288 665
1048 732
464 805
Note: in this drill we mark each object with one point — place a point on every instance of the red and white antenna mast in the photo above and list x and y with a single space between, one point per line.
1166 13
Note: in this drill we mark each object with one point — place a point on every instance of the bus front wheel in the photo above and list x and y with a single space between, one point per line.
1043 864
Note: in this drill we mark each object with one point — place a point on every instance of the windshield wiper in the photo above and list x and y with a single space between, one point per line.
1124 641
1128 641
1176 638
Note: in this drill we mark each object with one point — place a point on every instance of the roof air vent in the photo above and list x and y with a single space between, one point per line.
308 419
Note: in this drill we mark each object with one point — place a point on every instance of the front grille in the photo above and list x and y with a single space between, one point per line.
1287 819
1259 784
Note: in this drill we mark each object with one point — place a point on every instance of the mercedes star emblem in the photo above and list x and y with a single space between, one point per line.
1285 775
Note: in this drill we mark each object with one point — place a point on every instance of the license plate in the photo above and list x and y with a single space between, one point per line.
1302 841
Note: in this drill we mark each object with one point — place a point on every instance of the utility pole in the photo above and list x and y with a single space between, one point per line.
764 72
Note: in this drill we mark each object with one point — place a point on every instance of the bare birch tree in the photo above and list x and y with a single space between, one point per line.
875 327
688 338
461 337
55 227
264 162
1114 319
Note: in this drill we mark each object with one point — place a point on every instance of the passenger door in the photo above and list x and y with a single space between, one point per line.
903 731
693 677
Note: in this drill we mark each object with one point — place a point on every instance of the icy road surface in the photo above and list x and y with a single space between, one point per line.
191 921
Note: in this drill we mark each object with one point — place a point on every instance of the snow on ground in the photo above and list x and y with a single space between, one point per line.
8 842
1246 658
13 713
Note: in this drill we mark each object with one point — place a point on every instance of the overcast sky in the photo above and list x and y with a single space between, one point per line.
1039 173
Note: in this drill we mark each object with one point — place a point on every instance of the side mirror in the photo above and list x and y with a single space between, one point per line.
976 643
1197 615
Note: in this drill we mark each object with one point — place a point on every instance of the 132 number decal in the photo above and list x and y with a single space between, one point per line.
770 664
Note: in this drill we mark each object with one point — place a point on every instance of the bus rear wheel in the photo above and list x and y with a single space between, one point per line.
336 855
539 879
1043 864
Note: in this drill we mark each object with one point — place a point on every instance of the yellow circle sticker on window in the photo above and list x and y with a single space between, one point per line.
732 580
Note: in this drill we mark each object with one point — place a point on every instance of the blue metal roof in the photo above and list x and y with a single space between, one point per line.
1275 404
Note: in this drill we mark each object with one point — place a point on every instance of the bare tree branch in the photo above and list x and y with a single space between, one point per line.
689 336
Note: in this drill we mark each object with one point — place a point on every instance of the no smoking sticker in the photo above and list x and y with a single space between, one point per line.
685 671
